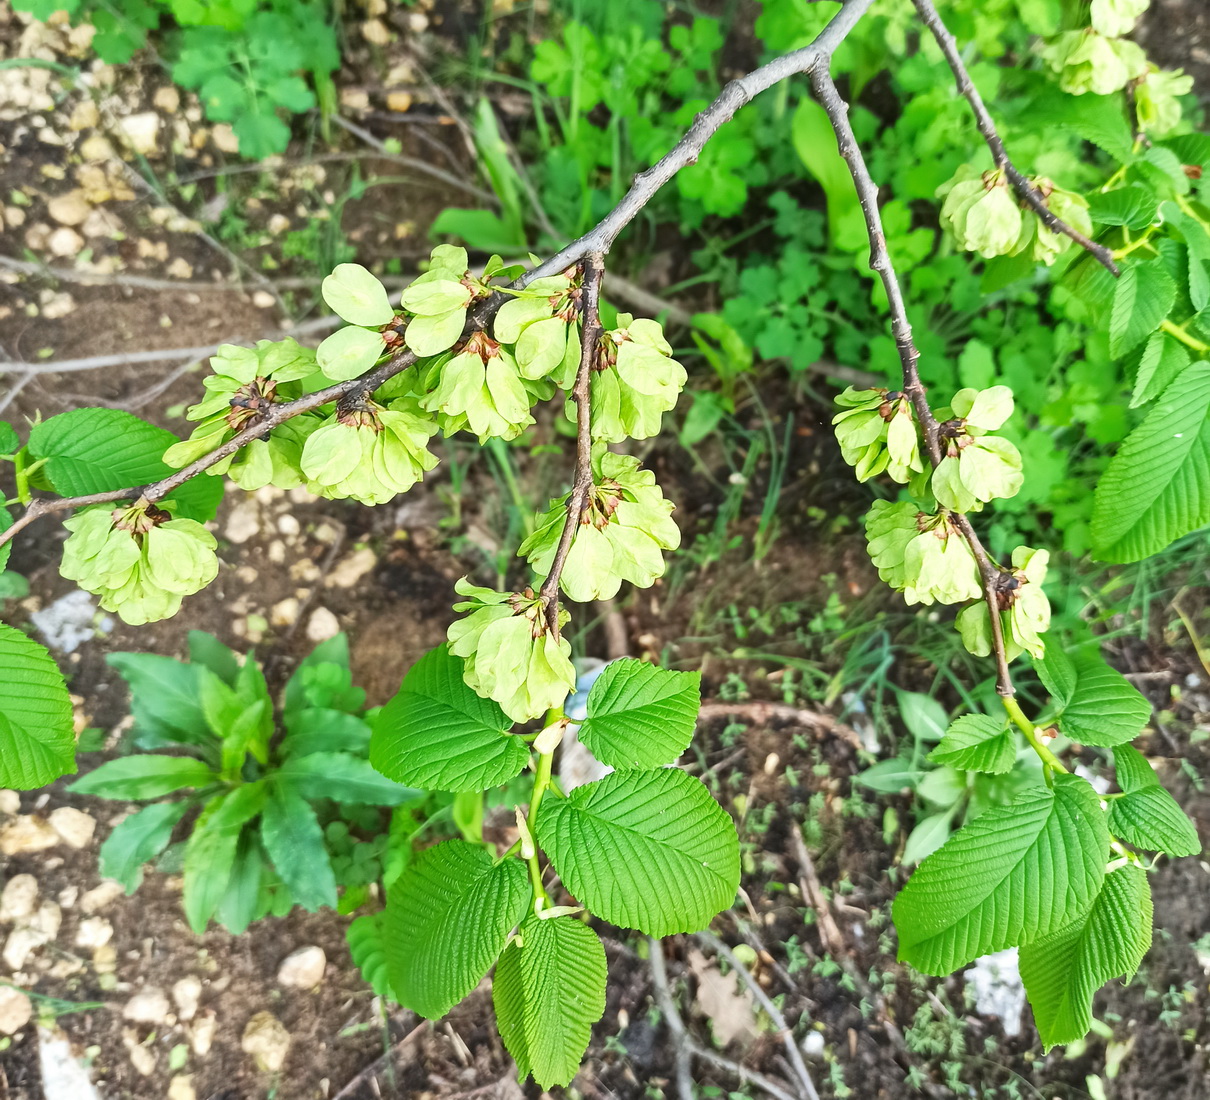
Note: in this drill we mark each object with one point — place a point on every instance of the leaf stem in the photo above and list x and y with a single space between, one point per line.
1180 334
541 782
1031 735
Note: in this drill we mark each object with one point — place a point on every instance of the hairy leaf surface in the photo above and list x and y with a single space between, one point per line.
640 716
37 735
448 918
1064 970
438 734
646 850
548 991
1014 874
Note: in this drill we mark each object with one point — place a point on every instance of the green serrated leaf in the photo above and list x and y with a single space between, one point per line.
447 920
10 441
211 851
294 842
1162 360
240 903
205 649
1146 815
1143 297
1063 971
37 734
977 743
437 734
651 851
1132 207
321 729
146 775
368 946
1157 486
97 450
343 778
138 839
640 716
548 991
1099 705
1013 875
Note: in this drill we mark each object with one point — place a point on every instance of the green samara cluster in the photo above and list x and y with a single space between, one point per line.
915 543
479 374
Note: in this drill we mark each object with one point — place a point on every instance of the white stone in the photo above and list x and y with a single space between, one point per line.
10 803
350 569
185 995
996 980
181 1088
63 1077
69 622
262 299
303 969
74 826
100 897
64 242
285 612
141 1057
322 625
148 1006
19 946
15 1010
813 1044
201 1035
141 130
27 834
94 932
268 1042
47 920
242 523
19 898
68 896
69 209
167 99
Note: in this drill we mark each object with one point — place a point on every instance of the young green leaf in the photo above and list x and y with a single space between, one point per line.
205 649
927 836
239 905
1099 705
164 699
1157 486
1011 876
146 775
10 441
1062 971
651 851
37 735
977 743
356 296
437 734
343 778
924 717
211 850
1142 299
1162 360
137 839
548 991
890 776
97 450
447 919
295 844
1146 815
1131 207
640 716
320 729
